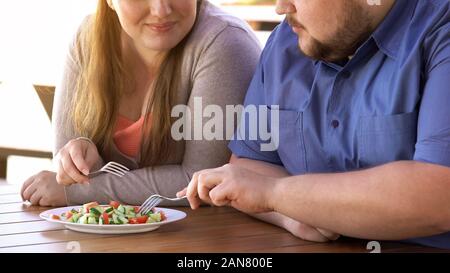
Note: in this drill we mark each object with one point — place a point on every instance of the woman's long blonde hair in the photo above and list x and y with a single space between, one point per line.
103 80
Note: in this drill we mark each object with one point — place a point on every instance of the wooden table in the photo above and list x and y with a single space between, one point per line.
206 230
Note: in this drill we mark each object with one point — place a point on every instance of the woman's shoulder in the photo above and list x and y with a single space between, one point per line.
214 22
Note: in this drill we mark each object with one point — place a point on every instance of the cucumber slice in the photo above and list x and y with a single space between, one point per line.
95 211
109 210
118 212
75 218
121 209
100 221
156 216
131 215
92 221
128 209
83 219
115 219
123 220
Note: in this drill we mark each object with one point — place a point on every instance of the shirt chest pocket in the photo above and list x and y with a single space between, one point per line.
384 139
289 138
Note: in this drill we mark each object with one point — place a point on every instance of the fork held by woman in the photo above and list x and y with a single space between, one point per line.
78 157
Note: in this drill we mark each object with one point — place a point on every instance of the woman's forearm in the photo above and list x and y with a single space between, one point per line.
134 188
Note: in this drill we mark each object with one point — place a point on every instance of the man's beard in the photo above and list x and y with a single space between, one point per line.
351 34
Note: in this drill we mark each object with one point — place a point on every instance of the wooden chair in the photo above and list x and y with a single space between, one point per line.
46 95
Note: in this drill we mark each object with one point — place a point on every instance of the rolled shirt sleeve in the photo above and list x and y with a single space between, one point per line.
433 135
243 144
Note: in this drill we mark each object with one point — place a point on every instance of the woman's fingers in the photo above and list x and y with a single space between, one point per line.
61 177
68 173
25 185
29 191
35 198
75 161
78 159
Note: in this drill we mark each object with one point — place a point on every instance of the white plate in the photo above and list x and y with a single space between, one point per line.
171 214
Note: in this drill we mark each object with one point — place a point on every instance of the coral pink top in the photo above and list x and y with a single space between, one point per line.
127 135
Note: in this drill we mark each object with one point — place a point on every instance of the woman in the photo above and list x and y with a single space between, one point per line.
130 64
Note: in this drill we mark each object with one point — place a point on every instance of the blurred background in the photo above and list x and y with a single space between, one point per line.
34 36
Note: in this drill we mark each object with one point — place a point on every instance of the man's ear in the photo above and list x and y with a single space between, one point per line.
110 4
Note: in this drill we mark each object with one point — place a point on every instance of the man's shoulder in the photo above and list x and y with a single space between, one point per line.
432 17
432 13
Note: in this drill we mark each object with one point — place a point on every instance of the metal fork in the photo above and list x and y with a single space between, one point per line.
153 201
111 167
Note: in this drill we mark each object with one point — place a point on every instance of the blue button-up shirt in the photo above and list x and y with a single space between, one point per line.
390 102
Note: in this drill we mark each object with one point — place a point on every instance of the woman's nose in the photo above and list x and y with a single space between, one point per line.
160 8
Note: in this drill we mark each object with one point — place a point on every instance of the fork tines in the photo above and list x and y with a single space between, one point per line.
149 204
115 168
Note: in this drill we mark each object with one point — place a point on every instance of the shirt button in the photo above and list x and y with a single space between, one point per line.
335 124
346 74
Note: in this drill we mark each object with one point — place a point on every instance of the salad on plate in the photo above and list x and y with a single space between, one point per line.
113 214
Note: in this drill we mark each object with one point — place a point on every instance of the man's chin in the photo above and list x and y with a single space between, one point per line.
308 51
317 52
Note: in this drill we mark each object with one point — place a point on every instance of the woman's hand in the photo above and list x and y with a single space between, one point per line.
43 190
75 160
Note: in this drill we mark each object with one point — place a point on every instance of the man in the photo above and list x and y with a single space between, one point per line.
364 124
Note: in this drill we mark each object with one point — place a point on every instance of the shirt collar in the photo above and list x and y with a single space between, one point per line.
390 32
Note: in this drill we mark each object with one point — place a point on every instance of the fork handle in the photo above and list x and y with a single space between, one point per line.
94 174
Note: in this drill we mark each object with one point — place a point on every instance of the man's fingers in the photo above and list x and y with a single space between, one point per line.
219 196
206 182
182 193
191 192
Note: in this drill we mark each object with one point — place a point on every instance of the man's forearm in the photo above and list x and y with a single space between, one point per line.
260 167
395 201
268 170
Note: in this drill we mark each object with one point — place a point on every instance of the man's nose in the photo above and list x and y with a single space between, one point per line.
284 7
160 8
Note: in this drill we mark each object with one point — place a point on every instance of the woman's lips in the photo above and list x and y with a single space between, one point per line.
161 28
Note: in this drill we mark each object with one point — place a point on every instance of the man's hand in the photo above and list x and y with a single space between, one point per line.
249 192
75 161
43 190
231 185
